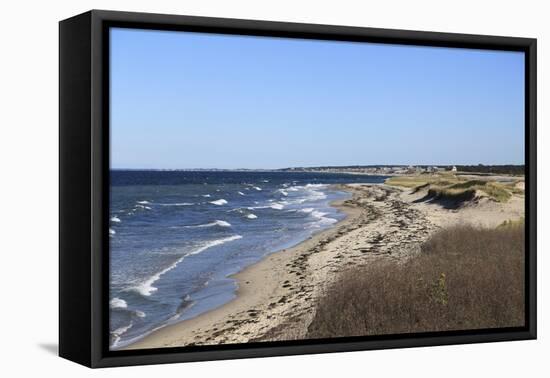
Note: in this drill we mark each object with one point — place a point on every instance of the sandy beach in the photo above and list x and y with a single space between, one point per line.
275 297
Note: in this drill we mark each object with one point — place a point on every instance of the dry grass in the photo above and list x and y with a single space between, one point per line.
416 181
451 187
450 194
464 278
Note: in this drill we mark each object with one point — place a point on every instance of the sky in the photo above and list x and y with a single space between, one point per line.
183 100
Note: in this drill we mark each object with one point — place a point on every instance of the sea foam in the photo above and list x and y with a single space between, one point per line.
219 223
119 332
177 204
214 243
219 202
146 288
118 303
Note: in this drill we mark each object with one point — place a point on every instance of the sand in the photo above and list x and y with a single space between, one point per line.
275 297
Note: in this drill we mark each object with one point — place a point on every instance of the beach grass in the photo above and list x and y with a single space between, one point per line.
415 181
451 187
464 278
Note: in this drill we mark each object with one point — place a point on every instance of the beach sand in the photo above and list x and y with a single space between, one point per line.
275 297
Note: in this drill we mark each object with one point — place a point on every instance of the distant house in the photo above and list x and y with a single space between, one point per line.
453 169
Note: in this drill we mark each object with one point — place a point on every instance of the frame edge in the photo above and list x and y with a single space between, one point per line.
98 18
75 334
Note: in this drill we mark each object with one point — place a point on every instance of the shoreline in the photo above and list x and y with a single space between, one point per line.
246 293
275 297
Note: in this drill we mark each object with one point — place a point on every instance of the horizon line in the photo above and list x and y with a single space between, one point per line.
312 167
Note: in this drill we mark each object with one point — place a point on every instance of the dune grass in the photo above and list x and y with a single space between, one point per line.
420 180
464 278
454 188
450 194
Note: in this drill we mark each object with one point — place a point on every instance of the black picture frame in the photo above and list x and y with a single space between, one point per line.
84 186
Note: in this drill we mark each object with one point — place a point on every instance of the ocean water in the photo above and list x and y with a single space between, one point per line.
176 236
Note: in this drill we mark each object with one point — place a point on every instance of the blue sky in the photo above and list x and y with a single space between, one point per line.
189 100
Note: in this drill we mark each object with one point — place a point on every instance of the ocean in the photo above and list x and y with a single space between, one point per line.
177 236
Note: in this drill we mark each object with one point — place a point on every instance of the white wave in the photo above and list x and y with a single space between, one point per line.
144 202
311 192
241 193
214 243
275 206
283 192
306 210
177 204
111 231
219 202
321 219
121 330
318 214
139 314
257 188
251 216
174 317
142 207
115 219
211 224
315 195
146 287
326 221
265 180
118 303
206 195
118 332
222 223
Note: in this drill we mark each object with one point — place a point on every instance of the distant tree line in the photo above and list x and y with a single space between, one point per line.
495 169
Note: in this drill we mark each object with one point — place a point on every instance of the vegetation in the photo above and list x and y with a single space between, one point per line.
453 195
447 186
506 169
464 278
422 180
